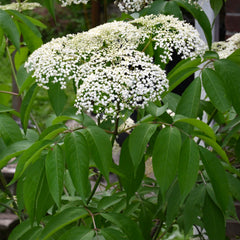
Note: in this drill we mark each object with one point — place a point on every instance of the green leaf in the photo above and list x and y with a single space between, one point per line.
12 151
61 220
77 159
213 220
171 8
138 141
128 226
217 176
20 230
43 199
172 99
36 22
78 233
200 16
198 124
9 130
26 106
50 6
216 6
234 186
173 203
189 103
108 201
4 108
52 131
215 90
20 57
32 234
188 166
32 40
57 98
9 28
235 56
193 207
230 80
155 8
156 111
129 180
215 146
166 156
54 166
28 157
112 234
31 181
21 17
100 148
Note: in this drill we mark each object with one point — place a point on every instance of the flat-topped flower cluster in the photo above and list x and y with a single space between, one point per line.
20 6
226 48
108 64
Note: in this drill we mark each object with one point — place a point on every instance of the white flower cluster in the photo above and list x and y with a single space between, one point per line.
110 72
123 80
69 2
132 5
224 49
20 6
169 33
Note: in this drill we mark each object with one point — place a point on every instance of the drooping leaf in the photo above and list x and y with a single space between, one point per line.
188 166
50 6
36 22
217 176
32 40
234 186
100 149
171 8
31 184
20 57
129 180
215 90
9 130
172 99
108 201
155 8
32 234
216 6
138 141
192 207
54 165
26 106
145 220
57 98
166 157
61 220
9 28
173 203
200 16
77 159
213 220
12 151
230 80
44 199
128 226
20 230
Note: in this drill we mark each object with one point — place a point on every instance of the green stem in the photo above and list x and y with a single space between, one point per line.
11 93
95 188
12 65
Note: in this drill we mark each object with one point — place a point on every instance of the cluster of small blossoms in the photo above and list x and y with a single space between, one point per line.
61 58
132 5
124 80
109 71
169 33
22 6
224 49
69 2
